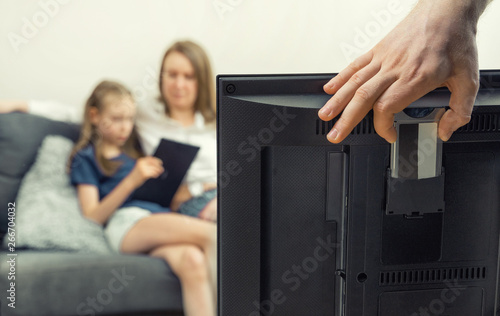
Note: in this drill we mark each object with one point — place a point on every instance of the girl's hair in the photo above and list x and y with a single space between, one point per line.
89 134
205 98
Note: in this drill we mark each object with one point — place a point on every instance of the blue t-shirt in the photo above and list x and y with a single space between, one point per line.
85 170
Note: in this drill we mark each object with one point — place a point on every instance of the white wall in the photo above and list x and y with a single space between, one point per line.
77 43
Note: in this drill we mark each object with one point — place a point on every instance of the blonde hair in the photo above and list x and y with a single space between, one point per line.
205 97
89 134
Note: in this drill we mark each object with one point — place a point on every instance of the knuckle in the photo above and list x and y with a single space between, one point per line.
381 106
344 124
472 84
463 119
356 79
355 65
340 77
363 94
418 75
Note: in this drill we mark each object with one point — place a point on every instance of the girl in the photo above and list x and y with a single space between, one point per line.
106 166
185 113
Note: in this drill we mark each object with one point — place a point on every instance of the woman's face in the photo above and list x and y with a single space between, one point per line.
179 84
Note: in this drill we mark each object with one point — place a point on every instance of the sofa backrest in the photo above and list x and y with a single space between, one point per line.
20 137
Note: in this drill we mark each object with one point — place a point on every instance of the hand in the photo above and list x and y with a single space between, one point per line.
209 186
146 168
434 46
8 106
209 212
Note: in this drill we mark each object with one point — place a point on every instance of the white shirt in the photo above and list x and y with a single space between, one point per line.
153 125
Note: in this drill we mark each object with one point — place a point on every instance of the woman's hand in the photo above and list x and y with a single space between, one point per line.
209 212
209 186
144 169
7 106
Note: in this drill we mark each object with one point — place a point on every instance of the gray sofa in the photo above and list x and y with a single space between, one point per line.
65 283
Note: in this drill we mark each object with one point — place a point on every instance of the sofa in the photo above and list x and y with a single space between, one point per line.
62 283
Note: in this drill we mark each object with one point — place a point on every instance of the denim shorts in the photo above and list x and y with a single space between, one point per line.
194 206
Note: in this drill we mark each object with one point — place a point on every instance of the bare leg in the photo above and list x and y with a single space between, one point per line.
189 264
169 228
163 229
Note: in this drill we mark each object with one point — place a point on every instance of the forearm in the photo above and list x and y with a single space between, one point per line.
183 194
103 210
7 106
466 11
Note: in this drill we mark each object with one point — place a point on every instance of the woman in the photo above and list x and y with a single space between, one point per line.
187 115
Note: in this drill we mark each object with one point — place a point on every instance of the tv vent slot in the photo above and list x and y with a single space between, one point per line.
424 276
481 122
363 128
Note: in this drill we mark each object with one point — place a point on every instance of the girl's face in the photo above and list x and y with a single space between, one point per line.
115 120
179 84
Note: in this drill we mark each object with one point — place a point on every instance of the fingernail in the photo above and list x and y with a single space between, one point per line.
325 111
330 85
333 134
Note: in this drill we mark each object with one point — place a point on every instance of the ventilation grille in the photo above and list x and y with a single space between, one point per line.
432 275
364 127
481 122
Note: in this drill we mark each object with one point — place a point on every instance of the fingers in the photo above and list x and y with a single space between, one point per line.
362 102
154 166
338 102
463 94
339 80
396 98
384 125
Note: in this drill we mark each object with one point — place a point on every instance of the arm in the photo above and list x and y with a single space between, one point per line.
7 106
183 194
49 109
435 45
100 211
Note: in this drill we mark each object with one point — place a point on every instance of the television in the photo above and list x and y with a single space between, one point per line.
311 228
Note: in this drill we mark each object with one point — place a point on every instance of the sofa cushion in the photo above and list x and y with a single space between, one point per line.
20 136
48 216
57 284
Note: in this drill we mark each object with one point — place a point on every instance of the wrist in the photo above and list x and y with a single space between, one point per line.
462 11
132 182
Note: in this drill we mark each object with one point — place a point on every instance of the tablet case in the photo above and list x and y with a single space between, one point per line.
177 158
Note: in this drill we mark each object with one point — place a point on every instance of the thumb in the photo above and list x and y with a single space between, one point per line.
463 95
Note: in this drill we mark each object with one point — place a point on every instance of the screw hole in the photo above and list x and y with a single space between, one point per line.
362 277
230 88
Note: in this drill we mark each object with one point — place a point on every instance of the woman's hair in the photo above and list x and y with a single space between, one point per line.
205 98
89 133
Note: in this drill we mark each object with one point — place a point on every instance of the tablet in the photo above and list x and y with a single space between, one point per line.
177 158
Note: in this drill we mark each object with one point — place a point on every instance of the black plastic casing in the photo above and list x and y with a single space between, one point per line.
303 227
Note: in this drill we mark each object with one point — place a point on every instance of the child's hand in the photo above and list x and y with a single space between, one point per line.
146 168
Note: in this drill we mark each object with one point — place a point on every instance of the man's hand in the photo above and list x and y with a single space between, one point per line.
434 46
